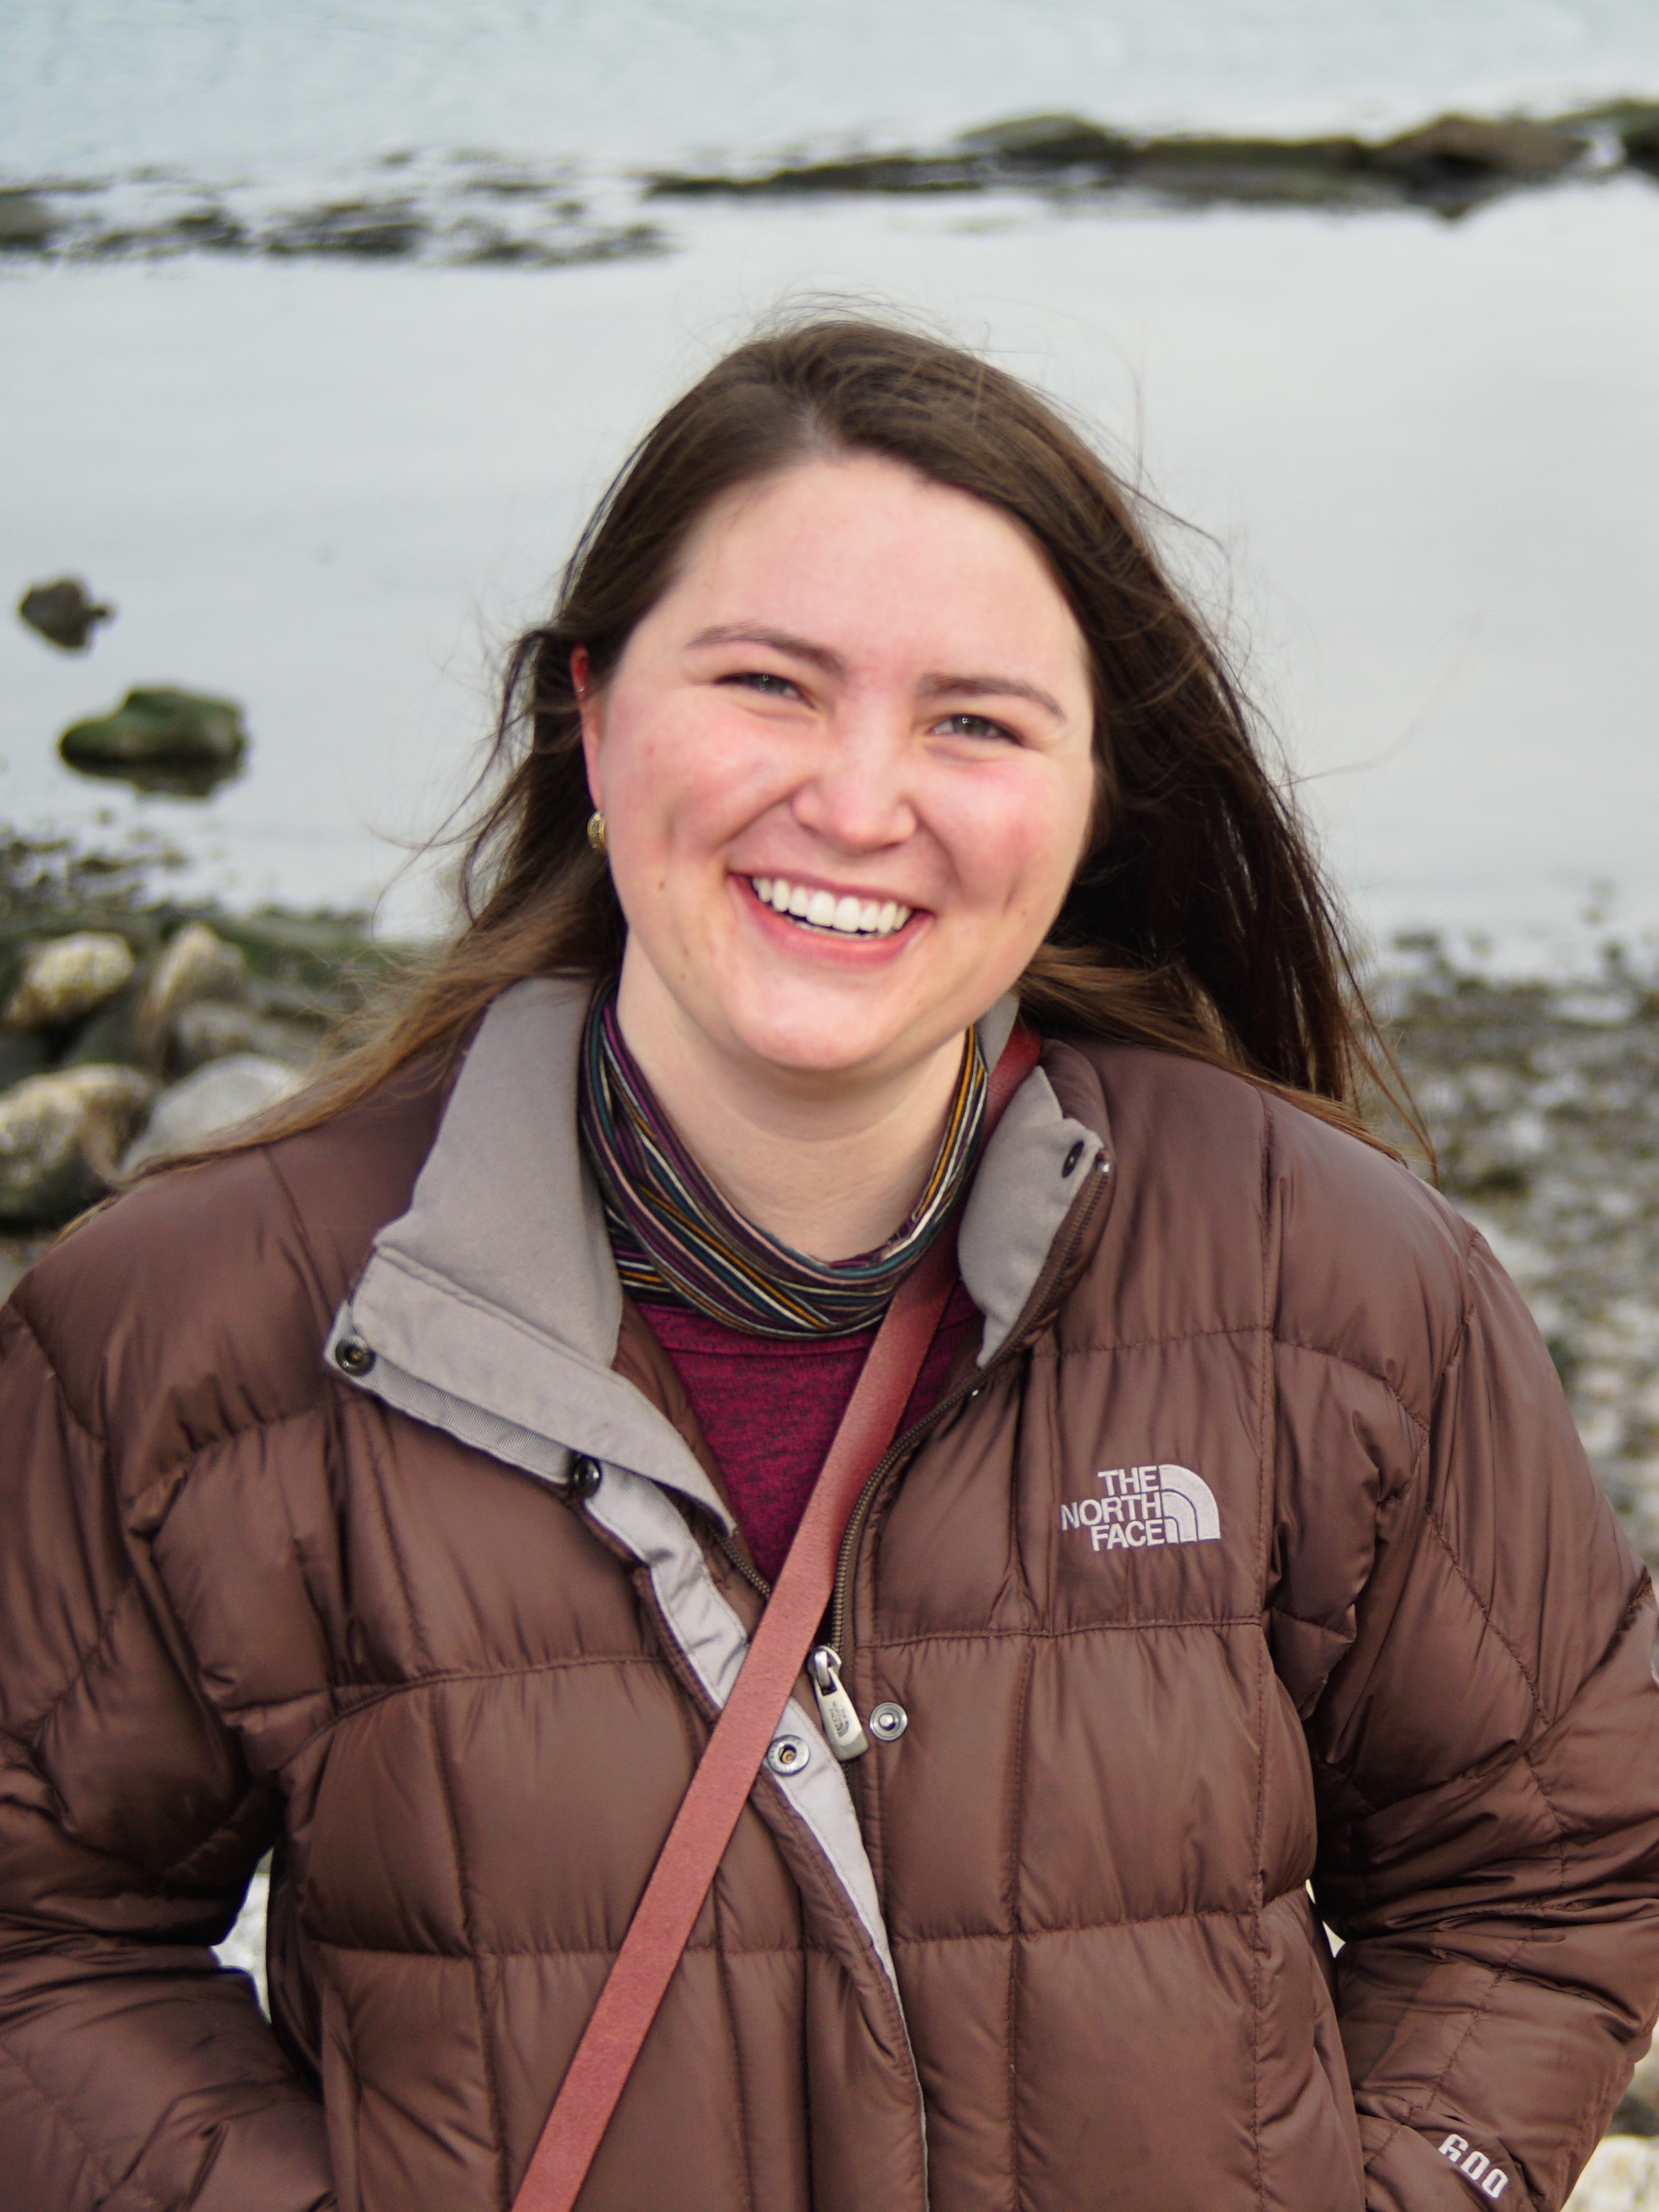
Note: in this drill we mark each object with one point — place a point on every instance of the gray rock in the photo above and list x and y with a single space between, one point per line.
61 1135
213 1029
160 739
63 979
206 1104
63 612
196 965
27 225
1458 147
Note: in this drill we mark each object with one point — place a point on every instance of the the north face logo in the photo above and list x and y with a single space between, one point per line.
1142 1506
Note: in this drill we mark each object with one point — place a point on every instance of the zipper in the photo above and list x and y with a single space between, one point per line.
838 1715
825 1661
751 1573
837 1644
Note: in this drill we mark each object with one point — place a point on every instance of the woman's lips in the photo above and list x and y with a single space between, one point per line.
848 913
848 923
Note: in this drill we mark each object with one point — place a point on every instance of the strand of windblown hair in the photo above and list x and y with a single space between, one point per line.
675 1236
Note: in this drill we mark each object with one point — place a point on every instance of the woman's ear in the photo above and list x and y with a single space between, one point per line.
587 707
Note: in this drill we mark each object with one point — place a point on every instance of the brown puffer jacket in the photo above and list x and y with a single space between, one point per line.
1252 1544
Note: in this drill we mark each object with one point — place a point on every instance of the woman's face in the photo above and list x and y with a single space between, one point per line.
845 767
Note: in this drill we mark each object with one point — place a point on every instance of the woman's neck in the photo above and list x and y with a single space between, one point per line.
830 1170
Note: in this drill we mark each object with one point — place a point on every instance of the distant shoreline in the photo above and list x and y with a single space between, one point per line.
472 209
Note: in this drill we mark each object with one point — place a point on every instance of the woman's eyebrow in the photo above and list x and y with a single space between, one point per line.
781 640
986 686
978 686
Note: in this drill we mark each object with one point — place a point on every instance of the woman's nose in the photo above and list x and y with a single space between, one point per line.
859 796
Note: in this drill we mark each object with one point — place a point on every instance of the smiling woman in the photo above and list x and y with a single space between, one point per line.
811 1498
790 714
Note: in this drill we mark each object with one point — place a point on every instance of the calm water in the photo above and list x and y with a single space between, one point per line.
94 85
1425 453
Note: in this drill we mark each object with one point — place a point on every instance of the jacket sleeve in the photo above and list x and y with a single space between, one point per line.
136 2073
1486 1761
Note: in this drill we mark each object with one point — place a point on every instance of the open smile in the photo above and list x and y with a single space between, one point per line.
822 911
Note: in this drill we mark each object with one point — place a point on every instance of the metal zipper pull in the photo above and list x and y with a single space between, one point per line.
836 1711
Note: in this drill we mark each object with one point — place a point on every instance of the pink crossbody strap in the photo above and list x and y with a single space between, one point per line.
666 1913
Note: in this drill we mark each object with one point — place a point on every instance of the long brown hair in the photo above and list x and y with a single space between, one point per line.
1199 921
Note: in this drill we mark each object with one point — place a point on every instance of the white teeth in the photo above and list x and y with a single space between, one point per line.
847 915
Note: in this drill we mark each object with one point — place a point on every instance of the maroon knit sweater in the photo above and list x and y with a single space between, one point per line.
769 1407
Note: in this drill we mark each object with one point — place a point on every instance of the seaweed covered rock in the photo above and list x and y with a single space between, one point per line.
61 1135
64 613
160 739
67 978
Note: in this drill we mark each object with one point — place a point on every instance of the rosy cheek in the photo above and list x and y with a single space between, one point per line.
1016 825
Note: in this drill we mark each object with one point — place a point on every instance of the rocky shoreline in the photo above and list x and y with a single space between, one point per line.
1448 166
132 1028
477 208
468 209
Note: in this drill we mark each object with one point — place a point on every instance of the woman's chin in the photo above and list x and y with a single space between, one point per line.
828 1041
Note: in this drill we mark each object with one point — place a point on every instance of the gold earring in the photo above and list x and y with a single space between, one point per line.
595 831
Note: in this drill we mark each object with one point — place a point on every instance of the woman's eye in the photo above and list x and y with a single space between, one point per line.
973 726
770 686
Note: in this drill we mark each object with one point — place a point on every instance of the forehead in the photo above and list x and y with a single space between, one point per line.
867 544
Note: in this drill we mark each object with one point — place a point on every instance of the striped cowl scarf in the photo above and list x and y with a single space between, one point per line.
676 1239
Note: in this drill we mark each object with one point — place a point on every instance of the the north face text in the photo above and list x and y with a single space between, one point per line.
1141 1507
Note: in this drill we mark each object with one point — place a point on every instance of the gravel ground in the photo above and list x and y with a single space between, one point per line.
1543 1102
1622 2176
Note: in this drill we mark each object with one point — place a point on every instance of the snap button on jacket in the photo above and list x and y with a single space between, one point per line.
1255 1549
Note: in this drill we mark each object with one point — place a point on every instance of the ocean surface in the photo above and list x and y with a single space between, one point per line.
1420 456
240 84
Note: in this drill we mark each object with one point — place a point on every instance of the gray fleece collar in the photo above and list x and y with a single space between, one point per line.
493 1307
